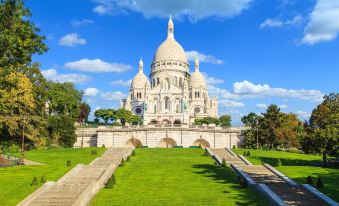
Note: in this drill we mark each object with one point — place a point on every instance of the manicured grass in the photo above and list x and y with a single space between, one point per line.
298 167
15 181
175 177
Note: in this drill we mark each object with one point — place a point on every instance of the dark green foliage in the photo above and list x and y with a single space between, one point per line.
94 152
309 180
320 183
122 163
248 154
110 182
278 162
224 163
133 153
34 181
43 179
68 163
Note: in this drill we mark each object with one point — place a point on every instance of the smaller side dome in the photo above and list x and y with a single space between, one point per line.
140 80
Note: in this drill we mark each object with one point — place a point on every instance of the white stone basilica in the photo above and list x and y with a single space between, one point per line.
172 95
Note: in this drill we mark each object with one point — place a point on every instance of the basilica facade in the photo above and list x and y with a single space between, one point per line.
171 94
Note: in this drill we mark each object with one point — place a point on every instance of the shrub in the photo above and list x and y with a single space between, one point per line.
94 152
122 163
234 147
69 163
133 153
244 154
320 183
103 146
43 179
248 153
224 163
110 182
309 180
34 181
278 162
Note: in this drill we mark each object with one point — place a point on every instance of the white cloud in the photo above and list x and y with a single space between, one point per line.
230 104
277 23
97 66
191 55
212 80
303 115
113 96
120 82
91 92
72 40
250 90
52 74
194 10
324 22
261 106
83 22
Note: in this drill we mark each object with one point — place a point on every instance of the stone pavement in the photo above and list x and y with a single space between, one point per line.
80 184
290 194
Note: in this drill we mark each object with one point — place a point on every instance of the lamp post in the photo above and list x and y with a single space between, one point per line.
22 155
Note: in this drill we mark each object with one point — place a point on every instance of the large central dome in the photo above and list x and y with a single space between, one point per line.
170 52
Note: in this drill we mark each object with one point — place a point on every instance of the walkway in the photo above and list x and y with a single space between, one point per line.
79 185
290 194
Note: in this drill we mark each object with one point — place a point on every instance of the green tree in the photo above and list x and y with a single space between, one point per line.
19 38
225 120
323 129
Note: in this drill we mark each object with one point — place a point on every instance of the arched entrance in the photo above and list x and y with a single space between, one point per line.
166 121
201 142
177 121
167 143
135 143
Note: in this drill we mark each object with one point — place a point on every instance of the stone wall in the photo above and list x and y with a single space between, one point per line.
154 136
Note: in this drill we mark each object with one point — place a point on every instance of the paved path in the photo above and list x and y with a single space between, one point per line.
80 184
291 195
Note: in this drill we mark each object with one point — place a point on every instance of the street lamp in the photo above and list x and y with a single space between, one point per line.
22 156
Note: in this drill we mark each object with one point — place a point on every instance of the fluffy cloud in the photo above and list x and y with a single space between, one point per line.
113 96
194 10
324 23
250 90
97 66
91 92
52 74
212 80
83 22
191 55
230 104
277 23
72 40
120 82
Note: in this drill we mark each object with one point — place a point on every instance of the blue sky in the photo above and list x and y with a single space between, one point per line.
253 53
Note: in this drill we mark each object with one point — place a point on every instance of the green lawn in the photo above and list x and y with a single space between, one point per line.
15 181
175 177
298 167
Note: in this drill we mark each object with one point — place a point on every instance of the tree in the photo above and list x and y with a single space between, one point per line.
323 129
225 120
19 38
85 109
64 99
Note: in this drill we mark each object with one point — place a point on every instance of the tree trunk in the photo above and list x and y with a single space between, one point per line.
325 159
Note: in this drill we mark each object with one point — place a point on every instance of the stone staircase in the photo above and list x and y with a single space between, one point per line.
290 194
79 185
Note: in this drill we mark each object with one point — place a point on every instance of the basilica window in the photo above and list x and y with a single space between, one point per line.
167 103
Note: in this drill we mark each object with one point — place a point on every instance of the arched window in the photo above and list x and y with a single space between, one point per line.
167 103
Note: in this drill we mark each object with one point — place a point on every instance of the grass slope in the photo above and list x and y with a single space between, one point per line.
298 167
15 181
175 177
